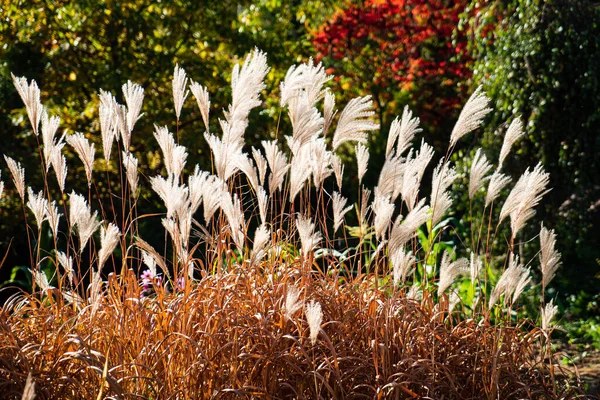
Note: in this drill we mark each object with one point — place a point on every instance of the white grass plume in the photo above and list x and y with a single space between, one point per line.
329 110
109 238
300 171
173 195
37 204
527 193
305 78
320 161
354 122
402 133
262 199
511 282
108 124
362 158
391 177
314 316
59 164
307 122
413 173
196 183
30 95
261 165
134 97
292 302
497 182
479 169
82 219
308 238
53 218
449 270
131 171
471 116
18 175
67 264
212 193
202 98
180 93
41 280
513 133
443 176
85 151
383 209
49 128
338 170
549 257
402 265
262 238
475 267
175 156
245 164
278 164
548 313
403 231
339 209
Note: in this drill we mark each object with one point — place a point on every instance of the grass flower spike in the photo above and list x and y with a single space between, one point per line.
471 116
314 316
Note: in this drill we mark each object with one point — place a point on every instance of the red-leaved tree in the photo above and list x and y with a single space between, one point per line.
401 52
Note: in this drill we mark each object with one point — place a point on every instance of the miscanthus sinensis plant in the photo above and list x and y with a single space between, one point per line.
260 238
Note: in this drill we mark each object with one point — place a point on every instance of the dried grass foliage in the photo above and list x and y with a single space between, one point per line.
227 336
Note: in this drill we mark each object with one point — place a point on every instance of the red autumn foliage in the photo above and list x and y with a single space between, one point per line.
400 45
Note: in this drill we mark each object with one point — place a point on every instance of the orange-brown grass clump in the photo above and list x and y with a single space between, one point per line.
228 337
262 291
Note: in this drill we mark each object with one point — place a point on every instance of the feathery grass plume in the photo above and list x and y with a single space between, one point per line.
548 313
85 151
304 78
232 208
338 170
314 316
329 110
383 209
516 276
67 264
109 238
300 171
362 158
479 169
354 122
41 280
180 93
402 132
513 133
475 267
246 85
37 204
443 176
30 95
497 182
403 231
108 124
449 270
471 116
120 122
339 202
245 164
364 206
261 165
196 183
549 257
149 262
202 98
224 155
82 219
414 168
174 155
59 164
131 171
524 280
262 238
307 123
212 193
29 391
292 302
402 265
308 237
172 194
262 198
49 128
320 161
18 175
527 193
95 290
277 162
134 97
391 177
53 218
